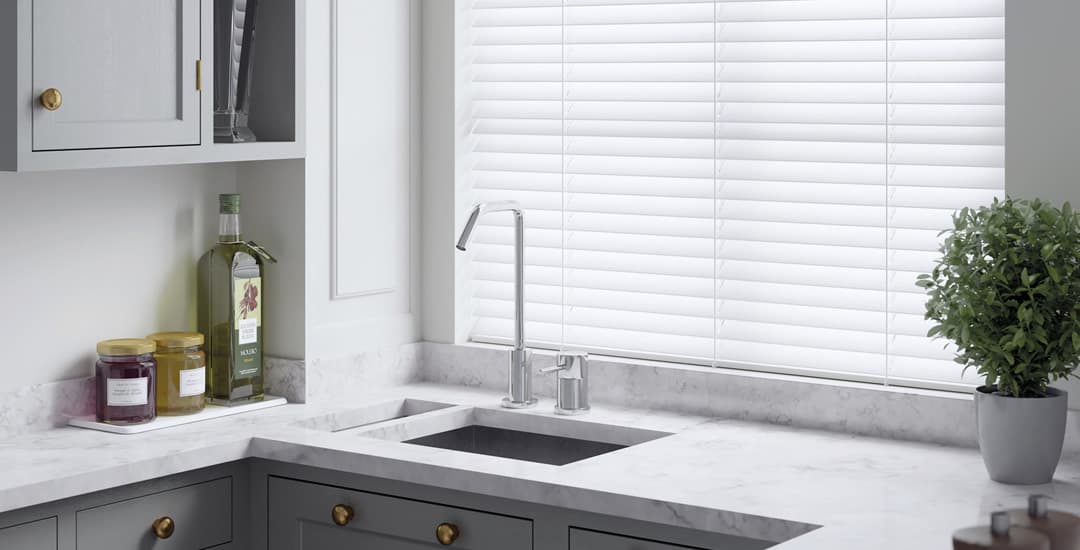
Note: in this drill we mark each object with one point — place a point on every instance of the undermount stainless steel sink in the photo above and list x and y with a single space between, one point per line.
543 439
518 445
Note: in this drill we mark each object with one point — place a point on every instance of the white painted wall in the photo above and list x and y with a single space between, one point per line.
442 203
95 254
1042 114
272 213
1042 111
362 135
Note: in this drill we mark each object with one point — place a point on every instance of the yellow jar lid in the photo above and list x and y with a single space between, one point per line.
125 346
177 339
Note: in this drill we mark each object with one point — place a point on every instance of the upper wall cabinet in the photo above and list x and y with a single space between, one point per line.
116 73
101 83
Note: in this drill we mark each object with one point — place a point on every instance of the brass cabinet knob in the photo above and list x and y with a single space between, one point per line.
51 99
447 533
163 527
342 514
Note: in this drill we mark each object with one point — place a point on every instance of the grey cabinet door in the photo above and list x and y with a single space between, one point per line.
36 535
126 70
201 514
300 519
581 539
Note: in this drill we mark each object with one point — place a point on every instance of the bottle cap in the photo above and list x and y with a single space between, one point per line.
177 339
125 346
1038 506
999 523
229 203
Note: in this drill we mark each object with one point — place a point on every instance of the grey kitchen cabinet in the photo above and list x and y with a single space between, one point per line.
257 504
34 535
311 516
207 508
124 73
583 539
110 83
297 513
187 518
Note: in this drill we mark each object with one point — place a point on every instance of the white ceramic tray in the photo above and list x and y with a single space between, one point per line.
209 413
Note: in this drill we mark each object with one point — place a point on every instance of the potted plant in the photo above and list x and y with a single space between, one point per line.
1006 291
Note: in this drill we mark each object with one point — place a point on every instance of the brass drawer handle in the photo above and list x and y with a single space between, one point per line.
51 99
447 533
163 527
342 514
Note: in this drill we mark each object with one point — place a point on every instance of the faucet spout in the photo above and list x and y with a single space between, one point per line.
479 209
470 224
520 359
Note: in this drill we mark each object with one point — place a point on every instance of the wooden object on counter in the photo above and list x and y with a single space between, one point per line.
1000 535
1062 528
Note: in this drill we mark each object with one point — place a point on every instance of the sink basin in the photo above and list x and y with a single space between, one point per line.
543 439
354 419
518 445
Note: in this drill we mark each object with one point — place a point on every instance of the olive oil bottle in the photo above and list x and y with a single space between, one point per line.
231 303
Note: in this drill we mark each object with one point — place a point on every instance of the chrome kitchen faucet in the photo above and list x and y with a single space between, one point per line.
521 395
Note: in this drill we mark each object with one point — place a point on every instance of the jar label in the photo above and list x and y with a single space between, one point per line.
193 382
127 392
247 362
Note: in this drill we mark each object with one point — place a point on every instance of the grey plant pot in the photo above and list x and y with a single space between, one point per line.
1020 437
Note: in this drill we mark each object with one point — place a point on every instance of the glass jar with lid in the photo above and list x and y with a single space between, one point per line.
181 372
126 381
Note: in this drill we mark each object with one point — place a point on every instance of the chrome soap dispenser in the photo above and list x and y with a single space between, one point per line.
572 389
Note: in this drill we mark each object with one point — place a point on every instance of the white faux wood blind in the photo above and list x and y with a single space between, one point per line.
743 183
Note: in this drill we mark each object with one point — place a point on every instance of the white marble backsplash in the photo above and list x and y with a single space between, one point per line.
46 406
338 379
847 407
843 407
334 379
285 378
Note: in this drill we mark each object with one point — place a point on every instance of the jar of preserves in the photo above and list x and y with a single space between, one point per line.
181 372
126 381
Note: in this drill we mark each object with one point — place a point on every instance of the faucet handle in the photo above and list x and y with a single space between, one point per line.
573 383
549 370
574 363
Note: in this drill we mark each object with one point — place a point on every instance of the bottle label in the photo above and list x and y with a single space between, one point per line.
248 309
127 392
193 382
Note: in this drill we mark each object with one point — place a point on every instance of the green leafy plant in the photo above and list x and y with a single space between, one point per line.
1006 291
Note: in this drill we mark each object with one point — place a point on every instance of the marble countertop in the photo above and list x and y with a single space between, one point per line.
762 481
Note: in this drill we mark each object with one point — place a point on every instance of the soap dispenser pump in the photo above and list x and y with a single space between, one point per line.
572 390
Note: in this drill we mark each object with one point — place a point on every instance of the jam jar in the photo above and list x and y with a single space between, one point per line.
126 381
181 372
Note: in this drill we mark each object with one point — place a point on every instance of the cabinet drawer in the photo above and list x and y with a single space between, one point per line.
300 519
581 539
36 535
201 514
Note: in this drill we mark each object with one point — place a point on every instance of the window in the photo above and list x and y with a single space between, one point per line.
751 184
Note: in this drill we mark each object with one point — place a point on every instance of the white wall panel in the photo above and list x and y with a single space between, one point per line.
362 223
371 165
